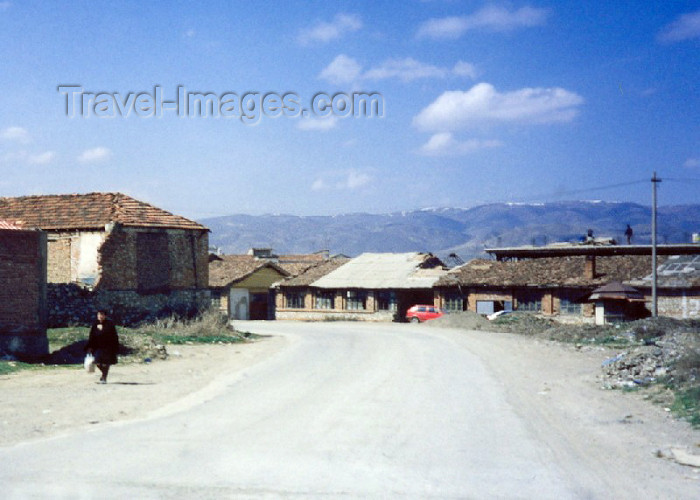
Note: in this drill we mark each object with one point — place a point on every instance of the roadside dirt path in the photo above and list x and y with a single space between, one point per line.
43 403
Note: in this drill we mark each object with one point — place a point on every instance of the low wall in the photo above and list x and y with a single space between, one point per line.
70 304
334 315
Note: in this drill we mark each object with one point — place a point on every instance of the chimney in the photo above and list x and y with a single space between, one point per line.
589 270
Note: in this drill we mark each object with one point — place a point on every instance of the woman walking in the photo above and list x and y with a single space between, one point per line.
103 344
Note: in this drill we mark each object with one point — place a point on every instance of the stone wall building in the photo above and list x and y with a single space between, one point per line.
552 286
371 287
108 250
23 292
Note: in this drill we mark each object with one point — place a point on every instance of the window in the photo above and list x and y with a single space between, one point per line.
216 299
152 262
357 300
531 302
295 300
454 302
568 305
325 299
386 301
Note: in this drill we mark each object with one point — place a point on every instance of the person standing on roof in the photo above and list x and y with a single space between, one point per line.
629 233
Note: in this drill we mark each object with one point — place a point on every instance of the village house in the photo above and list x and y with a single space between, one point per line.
547 285
678 286
240 285
108 250
561 279
371 287
23 292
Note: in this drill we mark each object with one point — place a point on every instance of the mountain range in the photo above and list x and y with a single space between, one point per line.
442 231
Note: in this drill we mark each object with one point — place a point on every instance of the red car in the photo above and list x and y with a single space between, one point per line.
423 312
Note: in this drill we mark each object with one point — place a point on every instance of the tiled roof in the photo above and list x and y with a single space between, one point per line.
315 272
88 211
228 269
295 264
547 271
9 225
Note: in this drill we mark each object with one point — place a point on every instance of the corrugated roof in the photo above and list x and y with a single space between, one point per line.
678 271
88 211
384 271
547 271
229 269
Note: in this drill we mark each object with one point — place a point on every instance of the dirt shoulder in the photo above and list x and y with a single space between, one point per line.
43 403
603 434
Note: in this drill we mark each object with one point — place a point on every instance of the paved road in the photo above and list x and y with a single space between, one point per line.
345 410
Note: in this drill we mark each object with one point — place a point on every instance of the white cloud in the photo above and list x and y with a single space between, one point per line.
685 27
342 69
95 155
490 18
319 185
325 32
348 180
318 123
444 144
692 163
465 69
354 180
15 134
345 70
23 156
190 33
41 158
484 104
405 70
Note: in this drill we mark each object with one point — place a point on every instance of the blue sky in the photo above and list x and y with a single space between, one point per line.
484 101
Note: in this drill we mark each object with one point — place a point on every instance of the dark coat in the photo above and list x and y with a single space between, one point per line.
104 343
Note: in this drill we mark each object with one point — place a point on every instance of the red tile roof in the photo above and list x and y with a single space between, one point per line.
88 211
547 271
9 225
225 270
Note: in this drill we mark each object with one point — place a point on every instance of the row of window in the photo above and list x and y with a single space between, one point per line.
355 300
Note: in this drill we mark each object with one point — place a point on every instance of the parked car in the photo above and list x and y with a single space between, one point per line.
423 312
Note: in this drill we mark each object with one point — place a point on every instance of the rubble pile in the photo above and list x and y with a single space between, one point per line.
662 348
137 347
466 320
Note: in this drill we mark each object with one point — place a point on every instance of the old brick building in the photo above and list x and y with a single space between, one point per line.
370 287
551 285
108 250
23 291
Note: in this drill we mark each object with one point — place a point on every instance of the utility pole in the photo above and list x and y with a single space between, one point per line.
654 309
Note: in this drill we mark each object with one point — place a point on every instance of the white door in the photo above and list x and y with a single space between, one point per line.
599 314
238 304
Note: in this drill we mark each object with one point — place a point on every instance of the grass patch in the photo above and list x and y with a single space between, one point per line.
7 367
686 405
193 339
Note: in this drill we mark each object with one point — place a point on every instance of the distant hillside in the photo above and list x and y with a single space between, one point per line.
446 230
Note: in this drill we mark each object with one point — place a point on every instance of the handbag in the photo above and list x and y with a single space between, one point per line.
89 363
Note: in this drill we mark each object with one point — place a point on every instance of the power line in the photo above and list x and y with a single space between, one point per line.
587 190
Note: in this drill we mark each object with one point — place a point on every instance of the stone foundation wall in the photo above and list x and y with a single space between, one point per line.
333 315
70 304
